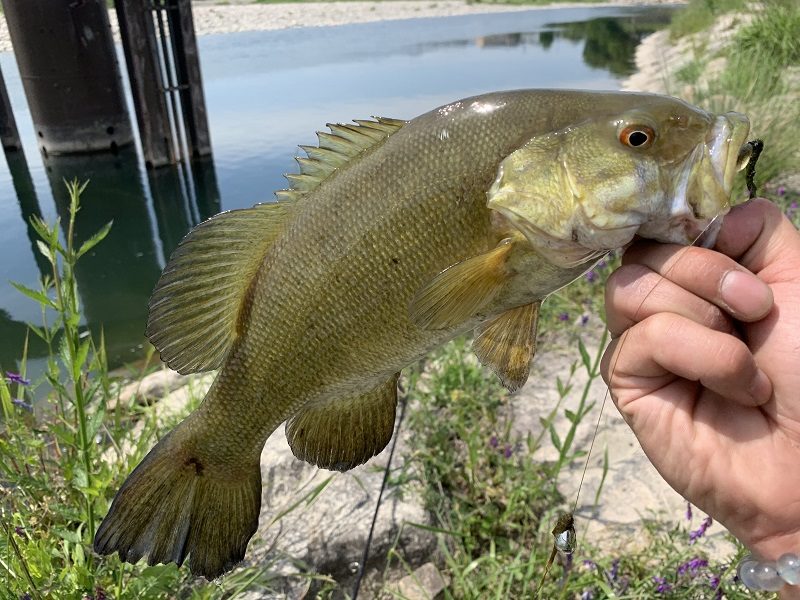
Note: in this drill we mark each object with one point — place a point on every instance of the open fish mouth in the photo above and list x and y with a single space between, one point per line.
703 183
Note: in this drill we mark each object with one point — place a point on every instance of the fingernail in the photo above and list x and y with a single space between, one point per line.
761 390
745 294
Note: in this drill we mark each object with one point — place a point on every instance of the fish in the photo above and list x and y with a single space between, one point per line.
395 237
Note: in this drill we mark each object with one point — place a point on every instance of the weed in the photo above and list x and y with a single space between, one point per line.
699 15
64 449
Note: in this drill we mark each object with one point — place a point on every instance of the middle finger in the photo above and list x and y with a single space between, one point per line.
635 292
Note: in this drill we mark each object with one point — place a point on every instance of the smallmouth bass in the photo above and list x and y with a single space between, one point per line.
395 237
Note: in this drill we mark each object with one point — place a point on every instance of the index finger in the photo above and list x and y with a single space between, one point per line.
708 274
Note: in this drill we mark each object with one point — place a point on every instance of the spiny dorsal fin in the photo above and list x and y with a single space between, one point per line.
343 433
507 343
335 149
195 306
462 290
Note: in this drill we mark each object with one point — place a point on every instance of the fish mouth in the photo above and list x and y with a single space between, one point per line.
702 185
728 150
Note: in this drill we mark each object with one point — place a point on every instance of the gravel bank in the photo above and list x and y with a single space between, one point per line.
210 18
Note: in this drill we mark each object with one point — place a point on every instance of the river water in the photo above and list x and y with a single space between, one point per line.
267 92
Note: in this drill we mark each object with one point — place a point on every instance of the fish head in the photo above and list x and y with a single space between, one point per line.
660 169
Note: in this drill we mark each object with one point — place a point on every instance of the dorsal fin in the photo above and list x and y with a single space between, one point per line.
342 144
195 306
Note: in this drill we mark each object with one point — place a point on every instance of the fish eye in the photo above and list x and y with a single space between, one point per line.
637 136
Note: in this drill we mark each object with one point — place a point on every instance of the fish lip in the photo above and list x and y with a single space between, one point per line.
726 144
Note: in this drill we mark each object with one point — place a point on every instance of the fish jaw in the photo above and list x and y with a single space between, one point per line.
701 185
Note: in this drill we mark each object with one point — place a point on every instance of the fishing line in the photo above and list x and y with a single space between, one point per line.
403 397
622 343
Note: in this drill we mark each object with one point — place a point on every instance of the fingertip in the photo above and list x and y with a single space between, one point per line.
761 389
745 295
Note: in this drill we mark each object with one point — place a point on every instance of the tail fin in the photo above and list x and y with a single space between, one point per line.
176 504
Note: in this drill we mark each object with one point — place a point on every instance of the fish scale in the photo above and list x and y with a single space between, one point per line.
394 238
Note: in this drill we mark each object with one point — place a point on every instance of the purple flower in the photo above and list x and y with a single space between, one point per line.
602 264
507 451
587 594
584 319
692 566
564 316
612 574
781 190
16 378
589 564
591 276
22 404
714 582
662 586
688 511
20 531
700 531
493 441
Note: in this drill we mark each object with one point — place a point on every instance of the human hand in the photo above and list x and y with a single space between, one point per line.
705 368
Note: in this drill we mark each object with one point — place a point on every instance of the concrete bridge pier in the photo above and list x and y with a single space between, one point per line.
66 58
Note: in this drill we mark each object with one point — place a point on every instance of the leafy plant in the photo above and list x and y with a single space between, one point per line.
67 442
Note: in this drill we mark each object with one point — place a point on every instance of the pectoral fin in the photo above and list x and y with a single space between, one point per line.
462 290
507 343
346 432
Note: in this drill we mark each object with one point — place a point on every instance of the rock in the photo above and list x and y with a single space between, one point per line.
328 532
151 388
423 584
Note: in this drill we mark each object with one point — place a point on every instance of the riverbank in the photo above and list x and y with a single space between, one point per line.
212 18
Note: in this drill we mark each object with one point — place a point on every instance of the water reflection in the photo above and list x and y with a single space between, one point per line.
115 279
610 43
28 202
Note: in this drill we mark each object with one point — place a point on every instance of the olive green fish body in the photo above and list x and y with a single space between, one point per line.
381 229
394 238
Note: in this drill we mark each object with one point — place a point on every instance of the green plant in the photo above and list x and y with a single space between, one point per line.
494 503
699 15
67 442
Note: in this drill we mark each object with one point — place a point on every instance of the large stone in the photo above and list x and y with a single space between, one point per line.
328 532
312 520
426 583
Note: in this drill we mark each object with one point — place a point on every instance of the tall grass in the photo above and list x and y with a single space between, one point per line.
760 77
67 443
699 15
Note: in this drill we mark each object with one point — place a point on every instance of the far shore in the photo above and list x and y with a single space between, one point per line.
212 18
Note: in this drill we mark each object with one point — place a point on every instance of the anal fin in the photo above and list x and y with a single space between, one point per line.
507 343
344 433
